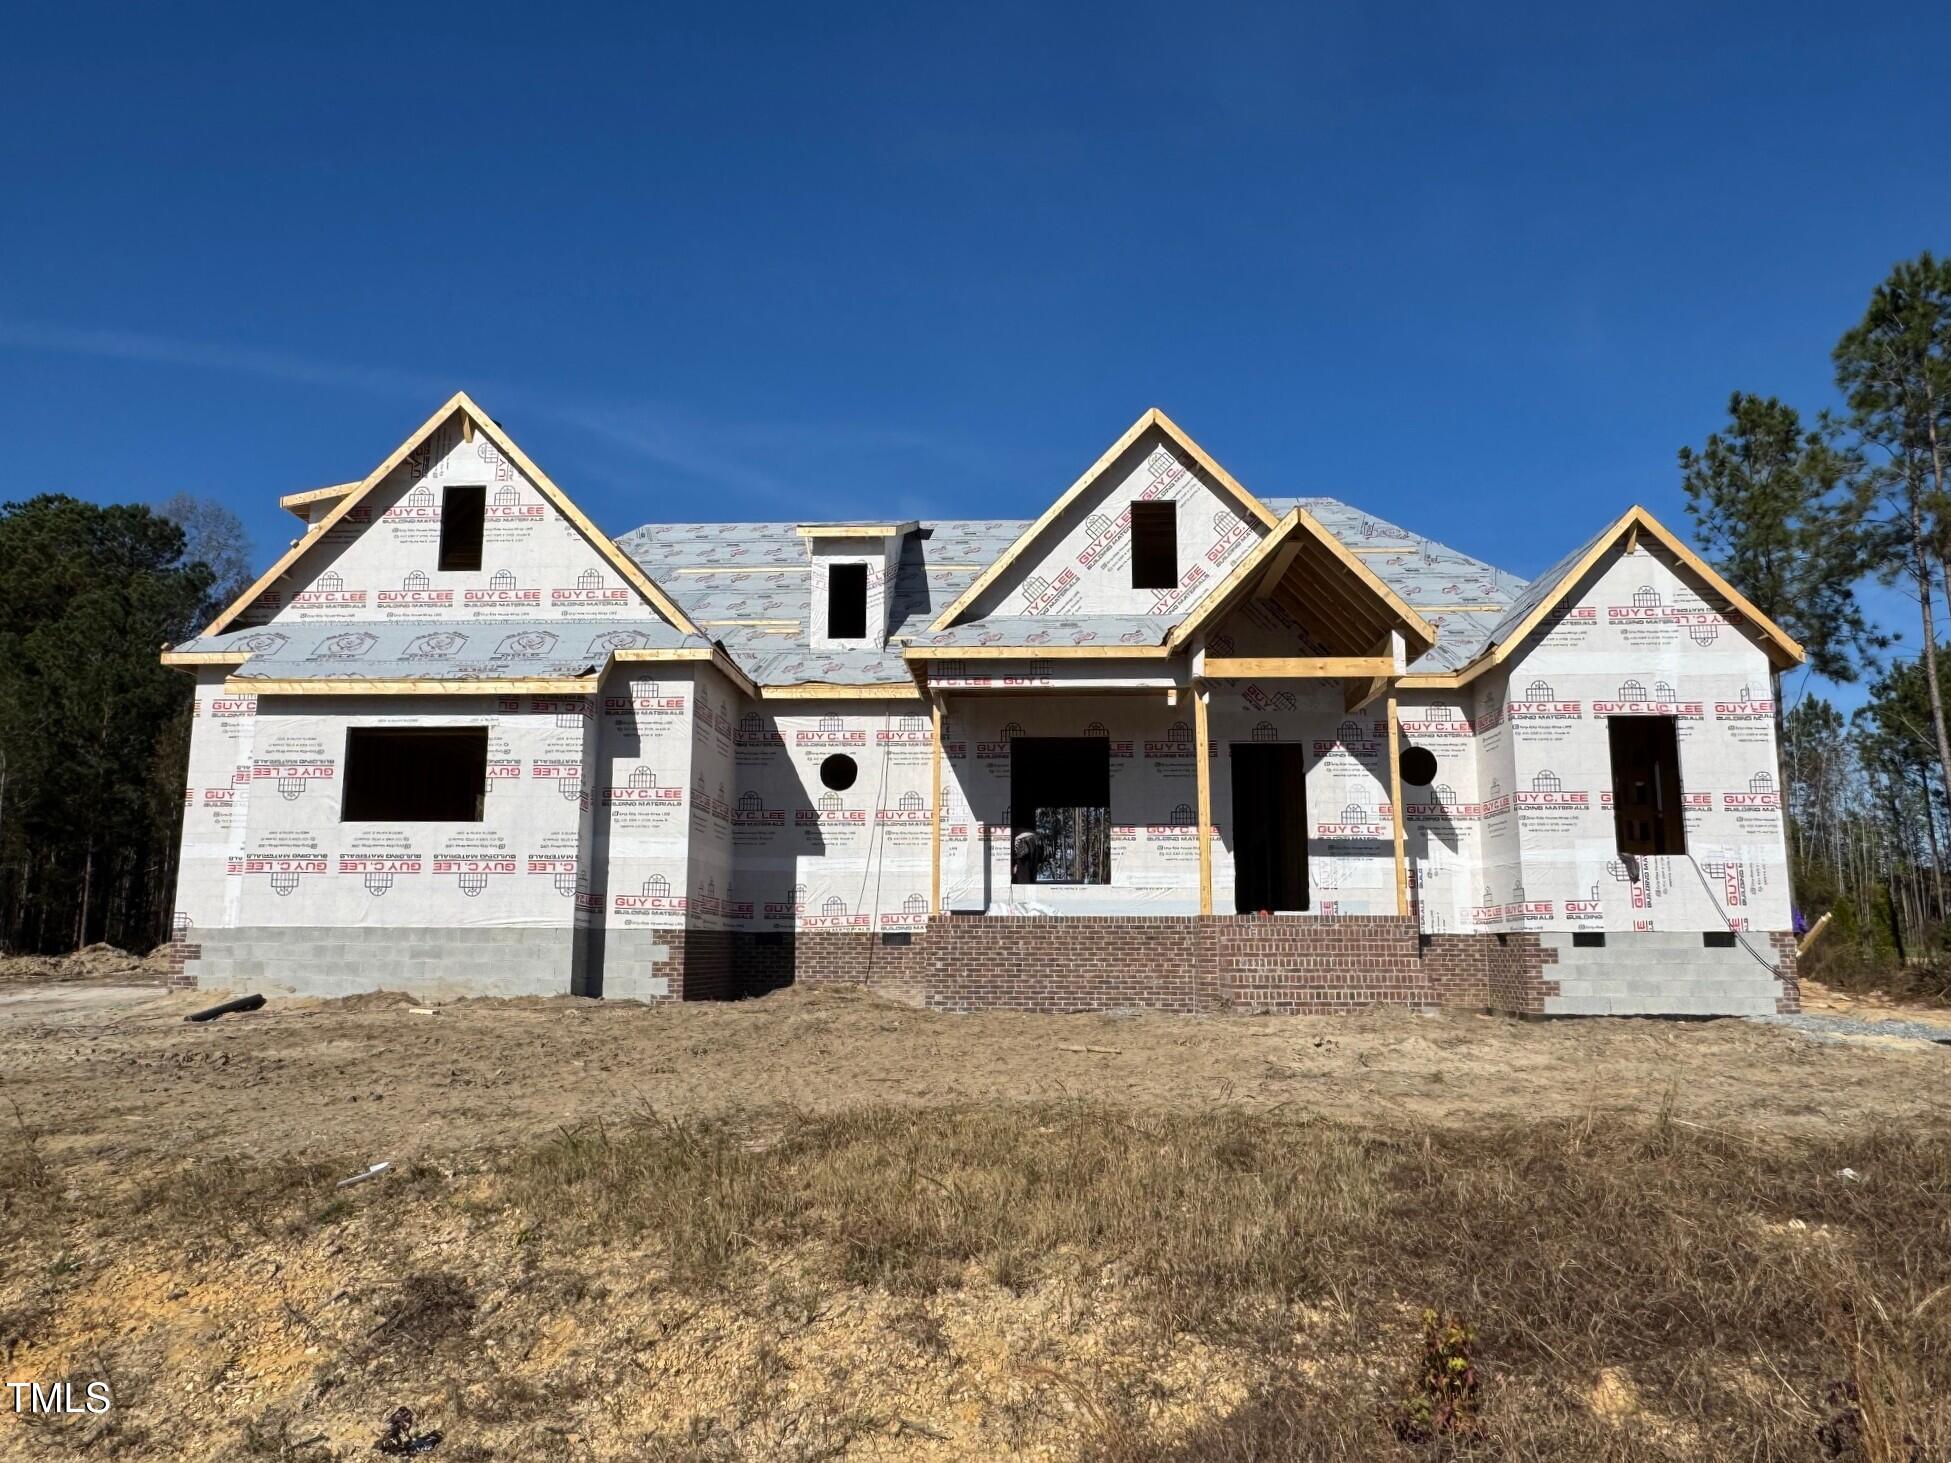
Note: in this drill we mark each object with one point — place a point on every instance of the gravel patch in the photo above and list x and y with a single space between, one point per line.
1823 1027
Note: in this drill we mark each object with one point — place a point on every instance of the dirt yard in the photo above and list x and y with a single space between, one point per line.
821 1225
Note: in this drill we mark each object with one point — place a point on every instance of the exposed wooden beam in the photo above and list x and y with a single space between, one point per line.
583 686
1036 652
935 829
1220 597
878 691
1277 568
1395 806
1202 767
1294 667
205 657
1359 692
856 530
1314 617
1322 604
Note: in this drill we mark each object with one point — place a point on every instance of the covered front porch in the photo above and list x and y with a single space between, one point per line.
1244 760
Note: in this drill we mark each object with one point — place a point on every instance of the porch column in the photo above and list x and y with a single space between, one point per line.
935 817
1395 805
1202 766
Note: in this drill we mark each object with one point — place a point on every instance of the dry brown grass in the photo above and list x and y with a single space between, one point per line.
782 1286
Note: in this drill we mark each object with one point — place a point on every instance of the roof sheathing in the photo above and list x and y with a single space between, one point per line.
748 585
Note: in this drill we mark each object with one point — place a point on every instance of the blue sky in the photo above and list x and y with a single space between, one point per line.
1478 269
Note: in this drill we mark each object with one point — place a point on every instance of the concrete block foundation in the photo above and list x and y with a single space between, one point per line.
1317 965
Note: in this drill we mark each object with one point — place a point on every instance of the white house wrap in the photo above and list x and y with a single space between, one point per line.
695 778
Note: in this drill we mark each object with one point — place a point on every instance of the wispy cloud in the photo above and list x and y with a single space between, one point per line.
825 457
655 436
160 350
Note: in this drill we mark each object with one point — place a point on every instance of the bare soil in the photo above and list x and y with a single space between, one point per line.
114 1071
824 1225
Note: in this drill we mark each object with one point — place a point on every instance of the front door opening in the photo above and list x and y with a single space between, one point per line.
1269 827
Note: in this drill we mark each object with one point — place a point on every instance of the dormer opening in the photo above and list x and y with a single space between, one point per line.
1155 545
846 601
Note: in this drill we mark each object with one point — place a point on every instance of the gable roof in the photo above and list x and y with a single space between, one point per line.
748 586
1299 539
1551 588
1153 418
461 403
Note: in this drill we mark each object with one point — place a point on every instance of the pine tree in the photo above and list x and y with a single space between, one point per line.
91 725
1894 369
1772 509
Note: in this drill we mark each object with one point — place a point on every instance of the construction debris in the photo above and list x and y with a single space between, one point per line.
225 1008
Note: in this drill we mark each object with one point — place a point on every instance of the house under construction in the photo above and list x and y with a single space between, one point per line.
1171 745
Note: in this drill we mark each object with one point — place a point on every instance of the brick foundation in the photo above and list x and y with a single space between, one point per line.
1788 971
182 954
1318 965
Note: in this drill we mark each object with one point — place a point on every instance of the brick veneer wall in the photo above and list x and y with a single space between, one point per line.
1320 965
697 964
1459 968
707 966
1788 1000
1517 979
1016 963
983 962
1317 965
183 952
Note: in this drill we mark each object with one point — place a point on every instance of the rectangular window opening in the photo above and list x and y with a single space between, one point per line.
1059 810
415 774
846 601
1155 545
462 513
1587 939
1718 939
1647 815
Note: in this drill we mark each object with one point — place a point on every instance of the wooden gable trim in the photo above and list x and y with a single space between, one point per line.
818 691
1784 645
299 503
1153 417
624 565
1291 541
1037 652
461 402
714 654
1271 547
1780 647
514 685
205 657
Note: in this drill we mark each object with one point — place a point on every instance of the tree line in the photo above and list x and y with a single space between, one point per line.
94 730
1800 514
